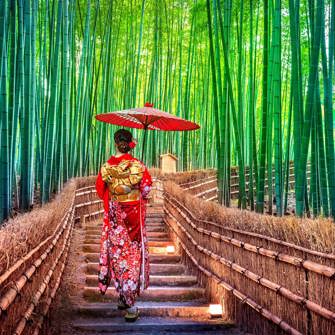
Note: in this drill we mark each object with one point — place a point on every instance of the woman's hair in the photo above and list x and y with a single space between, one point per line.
122 138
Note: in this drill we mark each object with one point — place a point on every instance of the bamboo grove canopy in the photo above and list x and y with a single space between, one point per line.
257 75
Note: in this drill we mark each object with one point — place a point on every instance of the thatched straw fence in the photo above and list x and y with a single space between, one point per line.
247 262
33 253
203 183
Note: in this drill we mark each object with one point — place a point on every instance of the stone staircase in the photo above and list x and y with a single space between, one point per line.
173 303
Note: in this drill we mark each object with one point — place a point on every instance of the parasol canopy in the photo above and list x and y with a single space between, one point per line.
147 117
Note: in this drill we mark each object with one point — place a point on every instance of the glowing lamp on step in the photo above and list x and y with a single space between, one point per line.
170 249
215 310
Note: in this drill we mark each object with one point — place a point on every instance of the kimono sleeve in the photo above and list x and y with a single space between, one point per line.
100 186
146 184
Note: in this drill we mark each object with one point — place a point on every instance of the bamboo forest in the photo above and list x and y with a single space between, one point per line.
256 75
167 167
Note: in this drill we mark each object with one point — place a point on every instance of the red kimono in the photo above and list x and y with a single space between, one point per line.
124 254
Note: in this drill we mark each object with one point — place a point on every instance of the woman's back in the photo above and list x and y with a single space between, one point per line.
124 184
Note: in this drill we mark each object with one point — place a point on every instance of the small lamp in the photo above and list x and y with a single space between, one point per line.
170 249
215 310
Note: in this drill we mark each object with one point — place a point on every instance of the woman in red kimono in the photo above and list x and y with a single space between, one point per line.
123 184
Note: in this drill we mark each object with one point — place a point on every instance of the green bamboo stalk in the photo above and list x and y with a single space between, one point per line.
77 165
314 194
327 70
5 167
214 84
296 84
277 89
251 112
26 117
185 152
287 152
48 177
321 159
12 107
138 55
65 92
262 159
315 51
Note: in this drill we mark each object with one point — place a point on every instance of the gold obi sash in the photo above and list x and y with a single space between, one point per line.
123 180
132 196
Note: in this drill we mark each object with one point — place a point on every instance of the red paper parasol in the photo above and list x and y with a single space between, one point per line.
145 118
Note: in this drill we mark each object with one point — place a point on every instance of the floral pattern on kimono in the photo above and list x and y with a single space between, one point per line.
124 257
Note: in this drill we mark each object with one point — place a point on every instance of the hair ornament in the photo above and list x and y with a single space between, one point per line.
132 145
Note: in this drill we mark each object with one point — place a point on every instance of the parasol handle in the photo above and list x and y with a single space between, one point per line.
145 135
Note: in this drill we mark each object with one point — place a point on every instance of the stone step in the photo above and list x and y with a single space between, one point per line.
149 219
159 236
154 258
96 237
148 225
92 235
154 218
229 331
93 231
95 240
95 247
92 240
155 269
155 223
156 228
154 205
156 280
154 325
91 248
164 258
150 233
158 250
156 232
152 293
93 228
193 308
152 249
165 237
155 212
159 243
